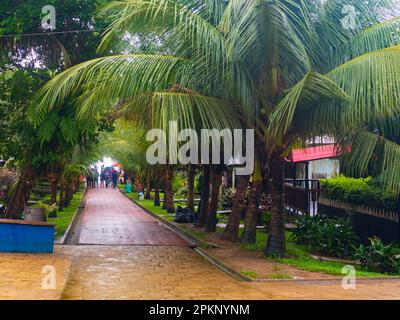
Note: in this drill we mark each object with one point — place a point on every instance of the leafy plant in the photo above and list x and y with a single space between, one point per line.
379 257
179 182
265 218
182 192
363 191
227 198
50 210
332 236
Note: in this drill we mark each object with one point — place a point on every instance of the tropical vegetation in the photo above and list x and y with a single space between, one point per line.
290 70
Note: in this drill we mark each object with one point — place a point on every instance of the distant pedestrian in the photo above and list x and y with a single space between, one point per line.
102 179
114 178
107 177
95 178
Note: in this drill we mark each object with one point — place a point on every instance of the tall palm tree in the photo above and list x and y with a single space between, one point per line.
290 69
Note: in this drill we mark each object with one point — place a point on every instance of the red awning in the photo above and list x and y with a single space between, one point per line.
314 153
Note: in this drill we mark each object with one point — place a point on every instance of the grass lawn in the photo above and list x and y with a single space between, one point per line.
64 217
298 256
149 204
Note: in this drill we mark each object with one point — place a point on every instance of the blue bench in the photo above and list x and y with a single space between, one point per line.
26 236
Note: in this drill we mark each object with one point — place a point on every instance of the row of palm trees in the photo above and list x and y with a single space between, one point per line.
289 69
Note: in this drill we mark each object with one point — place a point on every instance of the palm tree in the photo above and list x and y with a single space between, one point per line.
290 69
191 172
232 228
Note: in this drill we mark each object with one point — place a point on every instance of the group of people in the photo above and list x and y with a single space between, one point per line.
108 178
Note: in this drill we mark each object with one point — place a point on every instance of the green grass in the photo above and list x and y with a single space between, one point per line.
298 256
259 245
64 217
279 276
248 273
149 204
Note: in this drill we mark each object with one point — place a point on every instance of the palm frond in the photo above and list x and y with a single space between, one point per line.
189 110
124 76
69 129
188 31
372 83
307 98
373 154
379 36
48 127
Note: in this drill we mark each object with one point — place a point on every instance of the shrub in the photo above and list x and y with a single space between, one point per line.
178 181
362 191
182 192
227 198
332 236
50 210
265 219
379 257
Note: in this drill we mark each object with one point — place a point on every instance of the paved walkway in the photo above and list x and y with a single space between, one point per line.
128 255
112 219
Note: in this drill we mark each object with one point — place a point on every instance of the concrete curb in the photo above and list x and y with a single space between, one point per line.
223 267
67 234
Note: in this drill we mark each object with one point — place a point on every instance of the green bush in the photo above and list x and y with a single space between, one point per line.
182 192
362 191
50 210
331 236
227 198
265 219
379 257
178 181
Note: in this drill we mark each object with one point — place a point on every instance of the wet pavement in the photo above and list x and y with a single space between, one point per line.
112 219
126 254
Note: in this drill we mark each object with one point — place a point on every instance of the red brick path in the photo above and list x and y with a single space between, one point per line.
112 219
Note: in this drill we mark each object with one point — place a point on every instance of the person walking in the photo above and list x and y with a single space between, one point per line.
102 179
107 177
114 178
95 178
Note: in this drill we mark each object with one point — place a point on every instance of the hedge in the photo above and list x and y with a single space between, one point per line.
362 191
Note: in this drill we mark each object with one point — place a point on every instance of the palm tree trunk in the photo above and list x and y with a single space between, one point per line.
168 192
205 195
216 180
276 240
19 199
148 188
53 178
190 190
63 190
250 223
67 195
232 228
157 201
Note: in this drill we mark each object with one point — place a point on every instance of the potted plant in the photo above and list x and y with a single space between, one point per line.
37 212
